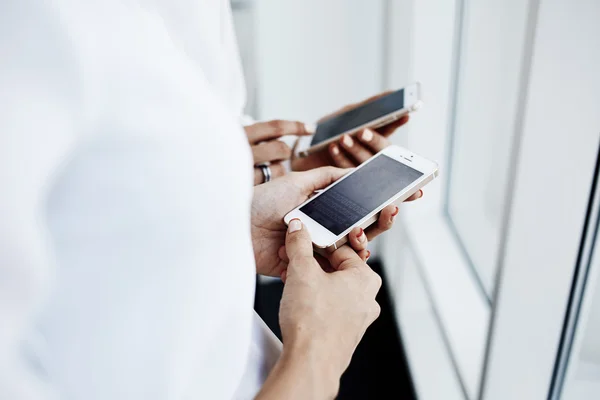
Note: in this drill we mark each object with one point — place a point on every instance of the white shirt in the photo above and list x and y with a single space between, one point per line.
125 258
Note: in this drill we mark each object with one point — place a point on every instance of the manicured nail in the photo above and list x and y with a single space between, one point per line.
347 141
368 254
310 128
335 150
367 135
420 193
360 235
396 210
295 225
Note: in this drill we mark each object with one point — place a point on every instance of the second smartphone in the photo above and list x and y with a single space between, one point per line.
374 114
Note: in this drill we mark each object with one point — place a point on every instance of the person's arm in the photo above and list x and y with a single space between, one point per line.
300 373
349 152
124 245
322 316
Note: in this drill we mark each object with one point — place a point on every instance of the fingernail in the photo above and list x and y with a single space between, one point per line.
347 141
367 135
395 211
295 225
360 234
335 150
368 254
310 128
420 193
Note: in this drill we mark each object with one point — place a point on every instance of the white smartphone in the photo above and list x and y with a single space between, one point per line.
375 114
355 200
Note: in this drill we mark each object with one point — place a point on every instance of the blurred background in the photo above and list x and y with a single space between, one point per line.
490 280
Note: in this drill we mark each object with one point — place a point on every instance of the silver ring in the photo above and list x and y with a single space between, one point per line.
266 171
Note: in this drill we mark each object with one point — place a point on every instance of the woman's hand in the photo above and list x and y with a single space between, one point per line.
272 201
266 148
323 317
350 151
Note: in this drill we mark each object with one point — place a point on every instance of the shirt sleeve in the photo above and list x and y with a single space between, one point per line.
126 261
37 101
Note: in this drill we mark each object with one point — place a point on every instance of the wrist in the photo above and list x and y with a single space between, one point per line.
310 359
300 373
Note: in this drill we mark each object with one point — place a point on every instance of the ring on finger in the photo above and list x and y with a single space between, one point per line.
266 171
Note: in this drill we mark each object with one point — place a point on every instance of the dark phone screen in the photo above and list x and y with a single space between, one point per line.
346 203
359 116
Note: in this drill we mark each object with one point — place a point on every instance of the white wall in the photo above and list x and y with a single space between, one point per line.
426 285
557 155
314 56
399 20
244 24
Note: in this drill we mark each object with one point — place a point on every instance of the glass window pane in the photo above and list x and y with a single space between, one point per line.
577 369
487 94
586 378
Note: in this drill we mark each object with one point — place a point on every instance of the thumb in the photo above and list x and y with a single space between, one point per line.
320 178
297 242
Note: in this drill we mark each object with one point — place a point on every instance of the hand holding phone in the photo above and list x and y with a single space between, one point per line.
356 199
346 298
376 113
273 200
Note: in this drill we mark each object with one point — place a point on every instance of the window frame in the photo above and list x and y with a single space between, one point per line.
462 311
484 359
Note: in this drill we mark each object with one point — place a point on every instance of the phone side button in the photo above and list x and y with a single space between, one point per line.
416 106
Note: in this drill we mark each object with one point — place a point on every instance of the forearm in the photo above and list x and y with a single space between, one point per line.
301 374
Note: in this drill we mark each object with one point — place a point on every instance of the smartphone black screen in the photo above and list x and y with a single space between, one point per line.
359 116
346 203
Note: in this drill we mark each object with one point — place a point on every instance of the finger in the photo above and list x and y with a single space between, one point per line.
324 263
275 150
344 257
364 255
258 176
388 130
339 158
262 131
384 222
415 196
387 217
319 178
284 275
373 140
295 147
283 254
311 161
277 170
297 242
358 240
357 151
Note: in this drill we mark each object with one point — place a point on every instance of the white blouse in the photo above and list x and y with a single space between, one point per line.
125 258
